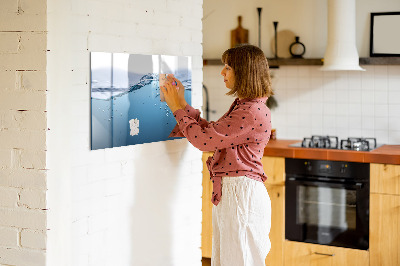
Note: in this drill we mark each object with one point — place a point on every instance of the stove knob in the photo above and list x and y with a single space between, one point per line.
343 168
308 166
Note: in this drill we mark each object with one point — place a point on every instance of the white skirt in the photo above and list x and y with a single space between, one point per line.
241 223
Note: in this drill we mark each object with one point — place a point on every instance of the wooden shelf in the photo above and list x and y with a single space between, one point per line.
274 63
380 61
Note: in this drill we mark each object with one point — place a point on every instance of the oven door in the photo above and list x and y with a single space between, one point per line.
327 213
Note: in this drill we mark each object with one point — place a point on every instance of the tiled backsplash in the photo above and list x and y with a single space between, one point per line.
314 102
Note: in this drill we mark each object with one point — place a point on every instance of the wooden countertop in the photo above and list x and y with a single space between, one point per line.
389 154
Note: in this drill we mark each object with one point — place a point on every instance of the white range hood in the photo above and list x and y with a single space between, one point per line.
341 51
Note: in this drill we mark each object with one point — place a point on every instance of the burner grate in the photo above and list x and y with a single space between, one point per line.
358 144
327 142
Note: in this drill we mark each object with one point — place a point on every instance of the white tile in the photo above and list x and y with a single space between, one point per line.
394 137
328 74
342 81
382 136
394 70
394 123
355 132
354 80
304 109
368 122
317 107
381 97
317 131
367 133
303 82
381 110
329 94
304 72
367 110
342 109
292 83
367 96
329 122
355 96
316 82
394 110
329 109
342 96
317 95
316 72
394 83
381 84
317 120
380 71
367 83
355 122
291 71
394 97
342 122
355 109
381 123
342 133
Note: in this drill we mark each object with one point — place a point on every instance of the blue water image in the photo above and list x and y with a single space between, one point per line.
134 114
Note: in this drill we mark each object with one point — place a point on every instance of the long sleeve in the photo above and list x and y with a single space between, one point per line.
231 130
193 113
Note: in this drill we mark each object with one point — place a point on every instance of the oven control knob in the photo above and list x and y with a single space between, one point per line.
343 168
308 166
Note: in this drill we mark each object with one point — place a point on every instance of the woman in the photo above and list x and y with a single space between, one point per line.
242 208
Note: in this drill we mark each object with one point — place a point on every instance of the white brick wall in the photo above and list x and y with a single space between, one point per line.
23 132
136 205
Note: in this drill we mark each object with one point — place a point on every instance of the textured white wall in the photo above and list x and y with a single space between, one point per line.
136 205
23 133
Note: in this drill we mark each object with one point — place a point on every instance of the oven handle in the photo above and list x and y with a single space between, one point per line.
324 254
357 185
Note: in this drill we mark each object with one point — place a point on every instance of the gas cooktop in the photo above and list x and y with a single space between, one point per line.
332 142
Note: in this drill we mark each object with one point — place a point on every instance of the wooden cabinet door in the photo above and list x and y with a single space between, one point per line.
385 178
274 168
384 237
206 226
277 233
304 254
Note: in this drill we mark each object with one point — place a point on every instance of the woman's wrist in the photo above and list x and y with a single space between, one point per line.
177 107
183 104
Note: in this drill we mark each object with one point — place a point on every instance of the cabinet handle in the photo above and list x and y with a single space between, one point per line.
324 254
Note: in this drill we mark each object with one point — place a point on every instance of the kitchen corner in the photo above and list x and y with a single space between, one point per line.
378 199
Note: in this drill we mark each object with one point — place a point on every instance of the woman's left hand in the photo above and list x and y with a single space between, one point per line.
171 96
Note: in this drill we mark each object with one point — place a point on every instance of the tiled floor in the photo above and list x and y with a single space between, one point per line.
206 261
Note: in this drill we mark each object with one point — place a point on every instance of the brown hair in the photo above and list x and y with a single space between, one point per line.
250 66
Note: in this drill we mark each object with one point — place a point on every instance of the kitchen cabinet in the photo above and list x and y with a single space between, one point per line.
274 168
385 178
385 215
305 254
206 225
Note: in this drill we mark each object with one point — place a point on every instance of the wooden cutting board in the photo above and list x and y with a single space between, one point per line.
239 35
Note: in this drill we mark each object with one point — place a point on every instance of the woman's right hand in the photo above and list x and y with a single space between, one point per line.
181 89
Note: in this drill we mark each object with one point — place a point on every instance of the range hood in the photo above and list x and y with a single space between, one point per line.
341 51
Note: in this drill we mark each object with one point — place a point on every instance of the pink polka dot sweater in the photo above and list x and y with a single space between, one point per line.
238 139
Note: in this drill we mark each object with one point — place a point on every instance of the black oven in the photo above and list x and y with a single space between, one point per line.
327 202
